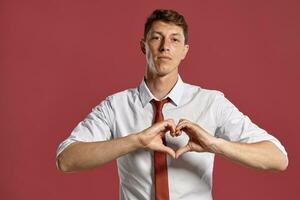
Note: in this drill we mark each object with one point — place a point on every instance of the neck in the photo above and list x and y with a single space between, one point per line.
160 86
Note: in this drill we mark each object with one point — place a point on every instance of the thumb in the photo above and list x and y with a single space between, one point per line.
182 150
169 151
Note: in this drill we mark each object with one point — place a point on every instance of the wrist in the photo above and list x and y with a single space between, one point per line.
218 146
137 141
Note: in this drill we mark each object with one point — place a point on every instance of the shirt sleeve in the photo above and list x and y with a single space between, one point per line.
96 126
235 126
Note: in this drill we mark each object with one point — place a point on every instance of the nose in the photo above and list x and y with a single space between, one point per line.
165 45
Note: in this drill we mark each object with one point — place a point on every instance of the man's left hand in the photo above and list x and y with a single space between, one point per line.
200 140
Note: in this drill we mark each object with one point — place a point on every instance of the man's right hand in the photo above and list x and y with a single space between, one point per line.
88 155
151 138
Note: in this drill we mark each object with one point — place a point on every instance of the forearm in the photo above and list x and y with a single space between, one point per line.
88 155
261 155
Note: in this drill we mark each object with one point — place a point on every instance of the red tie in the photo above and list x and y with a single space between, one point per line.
160 160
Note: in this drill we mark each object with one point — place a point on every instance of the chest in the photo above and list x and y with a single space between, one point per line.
133 119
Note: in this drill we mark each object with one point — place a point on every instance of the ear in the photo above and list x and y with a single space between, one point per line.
185 51
142 45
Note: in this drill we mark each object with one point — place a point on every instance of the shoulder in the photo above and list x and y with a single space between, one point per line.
195 90
123 95
119 98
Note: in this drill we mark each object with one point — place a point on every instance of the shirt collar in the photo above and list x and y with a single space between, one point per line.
175 94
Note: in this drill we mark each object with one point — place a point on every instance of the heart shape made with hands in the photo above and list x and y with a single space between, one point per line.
195 138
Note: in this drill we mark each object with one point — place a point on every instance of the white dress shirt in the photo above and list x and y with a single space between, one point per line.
130 111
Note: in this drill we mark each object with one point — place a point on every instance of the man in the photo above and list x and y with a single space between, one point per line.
198 124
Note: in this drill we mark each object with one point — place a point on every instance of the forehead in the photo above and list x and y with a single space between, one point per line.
166 28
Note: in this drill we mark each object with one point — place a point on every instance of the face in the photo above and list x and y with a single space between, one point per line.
164 48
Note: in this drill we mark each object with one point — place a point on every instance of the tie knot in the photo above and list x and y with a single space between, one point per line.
159 104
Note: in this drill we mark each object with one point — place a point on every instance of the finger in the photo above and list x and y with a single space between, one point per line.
171 125
182 150
181 126
167 125
163 126
171 121
168 150
178 132
188 127
172 128
173 134
182 120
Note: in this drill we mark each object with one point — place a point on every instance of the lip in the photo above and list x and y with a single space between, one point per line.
164 57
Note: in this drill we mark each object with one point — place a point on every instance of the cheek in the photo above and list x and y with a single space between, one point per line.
181 54
148 54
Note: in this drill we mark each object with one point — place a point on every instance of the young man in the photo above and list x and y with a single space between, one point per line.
129 126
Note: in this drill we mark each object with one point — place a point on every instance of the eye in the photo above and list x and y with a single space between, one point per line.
155 38
175 40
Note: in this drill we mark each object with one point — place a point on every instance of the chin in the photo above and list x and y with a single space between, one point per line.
163 70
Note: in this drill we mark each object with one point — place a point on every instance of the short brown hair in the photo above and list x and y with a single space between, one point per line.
168 16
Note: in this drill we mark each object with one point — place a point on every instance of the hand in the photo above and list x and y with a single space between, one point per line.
200 140
151 138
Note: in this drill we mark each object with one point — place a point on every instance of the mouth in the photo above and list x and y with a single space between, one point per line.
163 58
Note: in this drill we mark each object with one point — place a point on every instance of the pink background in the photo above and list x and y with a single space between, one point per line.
58 59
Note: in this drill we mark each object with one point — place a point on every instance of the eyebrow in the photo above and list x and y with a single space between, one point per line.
173 34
